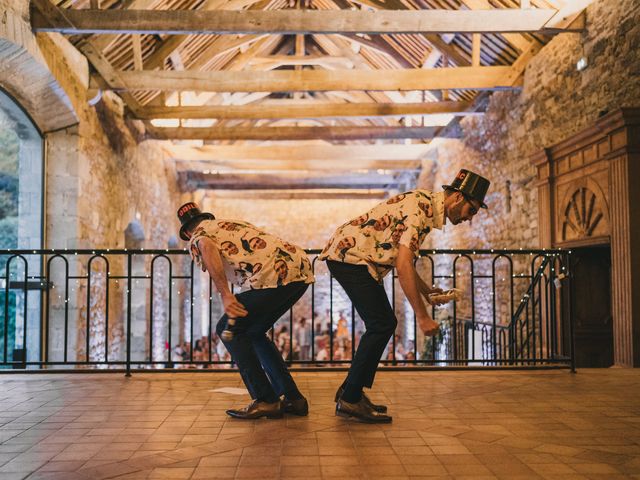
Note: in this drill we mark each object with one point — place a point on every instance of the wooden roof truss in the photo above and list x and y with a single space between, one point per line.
237 72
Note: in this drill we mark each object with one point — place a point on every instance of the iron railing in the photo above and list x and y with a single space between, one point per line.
152 310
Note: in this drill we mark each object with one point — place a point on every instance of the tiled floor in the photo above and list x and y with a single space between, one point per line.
480 425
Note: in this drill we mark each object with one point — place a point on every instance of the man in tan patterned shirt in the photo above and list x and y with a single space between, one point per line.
276 274
363 250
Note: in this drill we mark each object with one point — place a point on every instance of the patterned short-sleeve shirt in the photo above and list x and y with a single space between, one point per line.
252 257
373 239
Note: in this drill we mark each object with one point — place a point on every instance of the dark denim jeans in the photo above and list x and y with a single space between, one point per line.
261 366
372 304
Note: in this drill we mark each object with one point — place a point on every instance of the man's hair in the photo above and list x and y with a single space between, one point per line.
192 224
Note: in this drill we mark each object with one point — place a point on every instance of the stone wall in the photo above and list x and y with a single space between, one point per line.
555 102
99 179
305 222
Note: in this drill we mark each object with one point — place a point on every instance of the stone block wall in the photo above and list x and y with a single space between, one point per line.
555 102
100 178
305 222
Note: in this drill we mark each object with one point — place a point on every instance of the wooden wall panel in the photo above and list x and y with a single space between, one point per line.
596 172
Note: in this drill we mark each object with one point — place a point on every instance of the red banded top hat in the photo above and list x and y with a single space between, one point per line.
188 214
471 185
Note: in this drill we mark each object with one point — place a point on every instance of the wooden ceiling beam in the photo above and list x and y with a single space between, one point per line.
316 194
222 46
379 45
107 76
304 111
477 78
231 181
515 39
271 62
294 153
298 165
188 22
102 42
338 133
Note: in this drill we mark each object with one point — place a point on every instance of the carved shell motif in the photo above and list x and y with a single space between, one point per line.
581 215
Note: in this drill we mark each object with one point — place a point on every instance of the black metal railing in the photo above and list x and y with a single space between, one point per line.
151 309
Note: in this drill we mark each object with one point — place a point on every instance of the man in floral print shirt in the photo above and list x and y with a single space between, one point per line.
363 250
276 274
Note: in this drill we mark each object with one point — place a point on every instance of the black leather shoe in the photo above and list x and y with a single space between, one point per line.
258 409
361 411
375 407
298 407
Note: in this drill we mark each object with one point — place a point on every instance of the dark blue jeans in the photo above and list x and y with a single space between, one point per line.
261 366
372 304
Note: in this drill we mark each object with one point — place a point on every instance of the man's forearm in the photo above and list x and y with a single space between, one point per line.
213 263
422 286
409 283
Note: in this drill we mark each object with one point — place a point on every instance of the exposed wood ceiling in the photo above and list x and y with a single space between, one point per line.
295 76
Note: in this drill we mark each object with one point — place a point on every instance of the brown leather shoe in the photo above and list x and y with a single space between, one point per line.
298 407
258 409
361 411
375 407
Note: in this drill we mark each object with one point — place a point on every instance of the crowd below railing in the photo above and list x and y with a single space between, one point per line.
207 353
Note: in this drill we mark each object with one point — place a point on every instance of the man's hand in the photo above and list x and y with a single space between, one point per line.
429 292
232 307
428 326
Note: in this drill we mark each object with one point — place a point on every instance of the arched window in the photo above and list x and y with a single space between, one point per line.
21 178
21 227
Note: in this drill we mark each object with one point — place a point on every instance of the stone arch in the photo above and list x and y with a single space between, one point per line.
25 76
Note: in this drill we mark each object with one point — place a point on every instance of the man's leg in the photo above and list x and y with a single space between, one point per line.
243 352
272 304
370 301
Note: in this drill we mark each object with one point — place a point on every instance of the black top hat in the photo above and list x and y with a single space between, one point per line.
471 185
188 214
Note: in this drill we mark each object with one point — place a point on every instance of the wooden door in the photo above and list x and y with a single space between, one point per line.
591 306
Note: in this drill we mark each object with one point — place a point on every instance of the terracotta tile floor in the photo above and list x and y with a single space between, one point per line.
462 425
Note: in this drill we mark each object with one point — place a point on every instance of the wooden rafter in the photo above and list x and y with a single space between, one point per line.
194 181
305 110
299 164
102 42
325 61
477 78
107 76
292 133
136 45
222 45
318 194
515 39
302 152
182 22
253 181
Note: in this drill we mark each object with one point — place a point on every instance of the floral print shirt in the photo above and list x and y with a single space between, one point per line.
252 257
373 239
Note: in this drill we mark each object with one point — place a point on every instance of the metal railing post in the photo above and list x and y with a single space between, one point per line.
129 288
